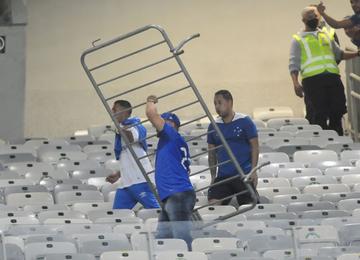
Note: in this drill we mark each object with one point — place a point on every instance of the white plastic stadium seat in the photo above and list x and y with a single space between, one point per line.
266 113
275 157
277 123
315 156
125 255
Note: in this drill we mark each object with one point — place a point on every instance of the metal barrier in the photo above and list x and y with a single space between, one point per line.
172 55
355 105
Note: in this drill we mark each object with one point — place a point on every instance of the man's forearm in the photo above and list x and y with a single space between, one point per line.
212 162
295 77
349 55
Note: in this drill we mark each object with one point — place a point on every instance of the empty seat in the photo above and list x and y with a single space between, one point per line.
56 156
350 234
235 226
39 249
325 141
340 222
74 256
341 170
247 234
299 207
83 164
309 254
275 157
84 229
71 197
259 123
265 136
318 214
50 183
312 134
323 165
268 242
298 172
338 251
16 157
290 198
127 255
265 208
320 189
118 213
100 157
86 207
272 169
32 198
170 244
57 174
90 173
296 128
348 257
212 244
63 214
351 180
266 113
218 210
231 254
271 192
175 255
302 182
148 213
210 233
74 187
129 228
337 196
277 123
98 148
24 189
338 148
43 149
351 156
15 182
42 207
273 182
315 156
325 235
272 215
23 167
349 204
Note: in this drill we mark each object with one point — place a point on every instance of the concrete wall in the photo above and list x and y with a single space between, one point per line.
243 47
12 83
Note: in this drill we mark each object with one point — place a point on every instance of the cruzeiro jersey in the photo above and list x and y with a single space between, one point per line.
237 134
172 163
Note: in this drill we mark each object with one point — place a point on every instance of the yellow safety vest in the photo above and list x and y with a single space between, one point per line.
330 31
317 55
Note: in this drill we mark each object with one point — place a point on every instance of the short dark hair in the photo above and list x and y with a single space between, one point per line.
225 94
125 104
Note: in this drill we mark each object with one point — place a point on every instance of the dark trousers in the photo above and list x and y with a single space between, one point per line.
325 101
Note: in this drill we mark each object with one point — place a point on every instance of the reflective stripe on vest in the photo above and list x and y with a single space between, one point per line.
317 55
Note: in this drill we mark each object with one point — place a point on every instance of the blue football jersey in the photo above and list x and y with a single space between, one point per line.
237 134
172 163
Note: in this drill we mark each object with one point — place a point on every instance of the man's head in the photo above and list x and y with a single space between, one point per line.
355 4
223 102
171 119
122 109
311 17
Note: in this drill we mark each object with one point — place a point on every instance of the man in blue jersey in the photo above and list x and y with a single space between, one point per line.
133 187
172 176
241 135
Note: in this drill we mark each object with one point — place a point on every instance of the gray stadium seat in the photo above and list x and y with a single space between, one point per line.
74 256
127 255
71 197
38 249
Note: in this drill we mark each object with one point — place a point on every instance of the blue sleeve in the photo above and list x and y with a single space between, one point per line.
210 136
250 129
169 132
355 19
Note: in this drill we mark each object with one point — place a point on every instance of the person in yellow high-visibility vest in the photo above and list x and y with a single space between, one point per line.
313 55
